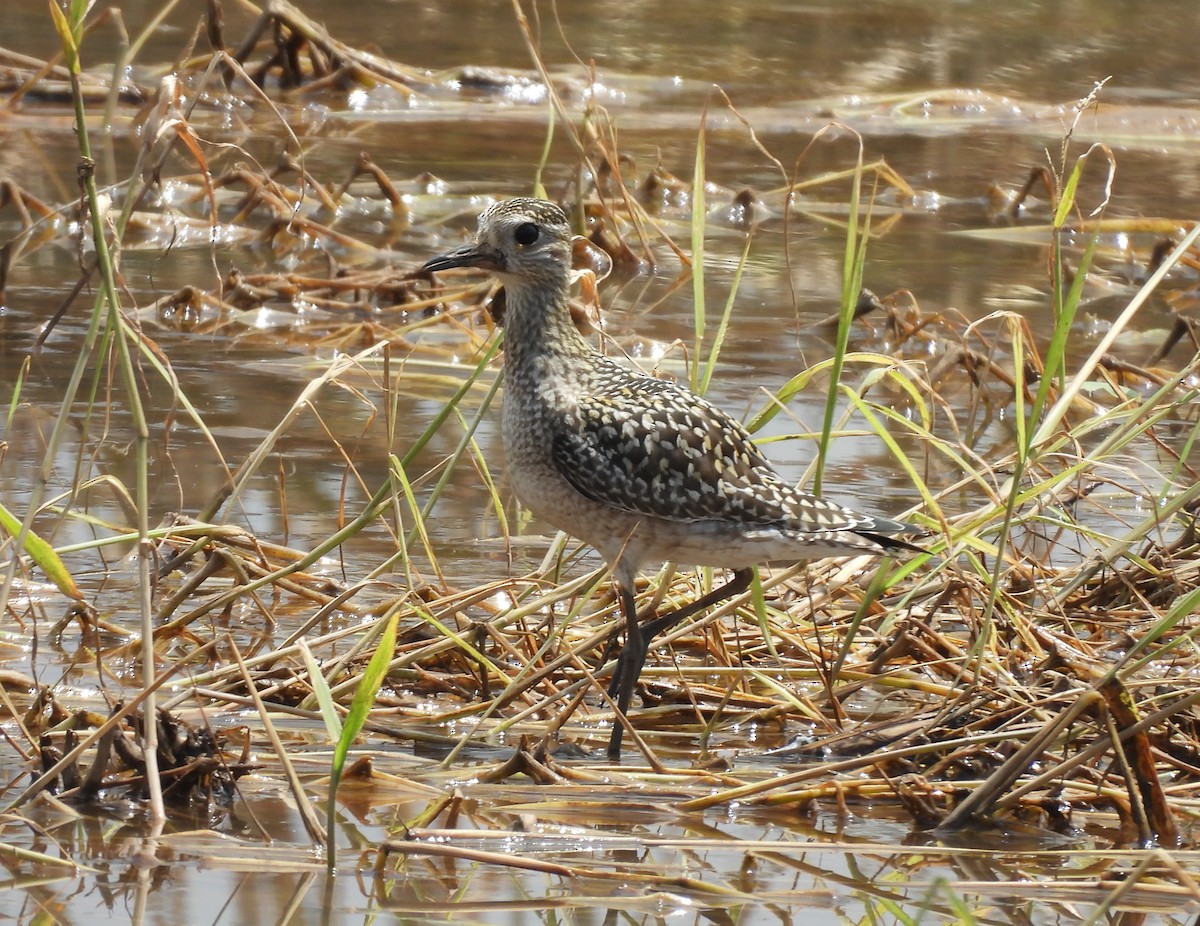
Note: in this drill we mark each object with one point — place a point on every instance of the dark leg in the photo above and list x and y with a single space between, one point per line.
638 638
620 688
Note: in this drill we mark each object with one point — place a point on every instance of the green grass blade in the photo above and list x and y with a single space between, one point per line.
699 219
15 401
1077 383
320 686
1054 367
400 475
356 717
463 446
710 364
852 273
41 553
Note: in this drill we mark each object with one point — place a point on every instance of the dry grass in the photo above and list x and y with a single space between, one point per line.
1033 670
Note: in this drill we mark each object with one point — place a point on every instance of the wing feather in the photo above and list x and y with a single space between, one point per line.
650 447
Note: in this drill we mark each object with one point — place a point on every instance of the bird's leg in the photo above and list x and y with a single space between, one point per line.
738 583
634 650
628 667
639 636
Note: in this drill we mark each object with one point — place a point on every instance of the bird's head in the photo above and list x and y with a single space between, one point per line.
522 241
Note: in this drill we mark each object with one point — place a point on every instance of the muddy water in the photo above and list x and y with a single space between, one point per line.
955 96
788 69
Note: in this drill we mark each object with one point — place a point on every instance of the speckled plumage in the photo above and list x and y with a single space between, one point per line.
641 468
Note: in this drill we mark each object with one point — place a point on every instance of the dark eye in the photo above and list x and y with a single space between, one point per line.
526 233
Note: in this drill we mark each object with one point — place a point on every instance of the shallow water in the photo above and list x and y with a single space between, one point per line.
885 69
788 69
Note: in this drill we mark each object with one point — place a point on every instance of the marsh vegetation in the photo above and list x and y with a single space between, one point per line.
250 483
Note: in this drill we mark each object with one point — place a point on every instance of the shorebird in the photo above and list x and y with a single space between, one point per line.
640 468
